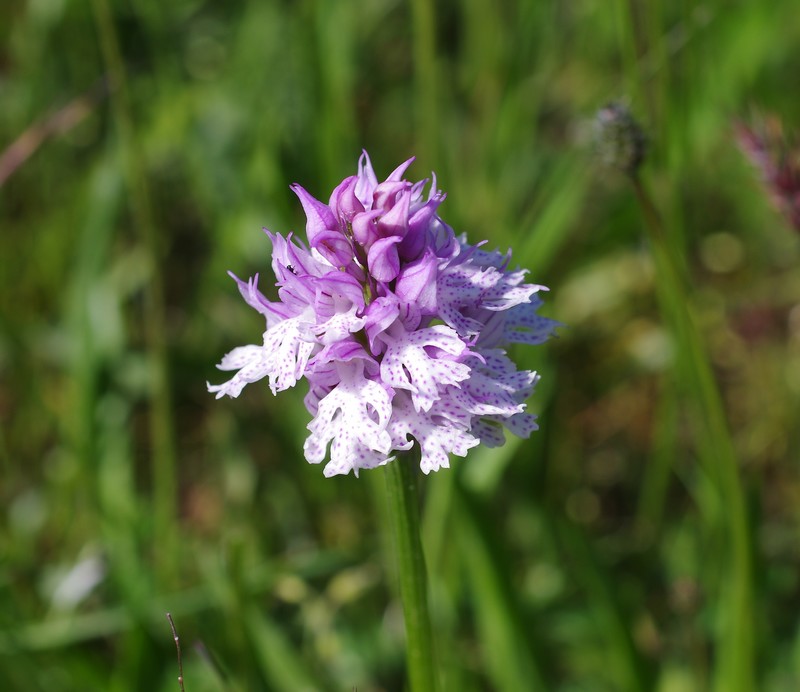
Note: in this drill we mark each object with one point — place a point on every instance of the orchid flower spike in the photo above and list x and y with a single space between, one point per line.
399 327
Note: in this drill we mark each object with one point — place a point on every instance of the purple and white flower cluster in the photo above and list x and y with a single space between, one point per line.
398 325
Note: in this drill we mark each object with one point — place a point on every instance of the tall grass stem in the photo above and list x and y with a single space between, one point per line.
423 20
163 454
735 664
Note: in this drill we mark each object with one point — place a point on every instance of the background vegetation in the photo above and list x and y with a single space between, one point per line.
145 145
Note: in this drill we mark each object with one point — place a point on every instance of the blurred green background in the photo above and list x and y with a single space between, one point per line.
145 144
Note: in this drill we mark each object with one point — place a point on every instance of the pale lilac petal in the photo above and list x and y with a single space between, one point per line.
339 327
523 325
282 358
490 434
521 424
253 364
437 438
345 351
291 346
352 419
409 364
336 292
496 364
274 312
291 257
505 295
486 258
490 429
456 290
481 396
497 384
380 314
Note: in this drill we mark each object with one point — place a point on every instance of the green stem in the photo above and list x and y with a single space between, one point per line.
426 82
163 456
403 508
735 668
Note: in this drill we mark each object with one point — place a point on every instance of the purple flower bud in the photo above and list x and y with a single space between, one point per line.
366 181
365 228
344 202
384 263
323 230
419 227
416 283
385 195
319 217
395 221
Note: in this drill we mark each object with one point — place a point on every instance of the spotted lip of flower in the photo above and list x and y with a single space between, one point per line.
399 327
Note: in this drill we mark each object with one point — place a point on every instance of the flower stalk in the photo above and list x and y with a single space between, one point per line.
736 660
403 505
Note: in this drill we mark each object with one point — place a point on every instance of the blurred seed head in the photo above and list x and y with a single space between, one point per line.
776 155
619 140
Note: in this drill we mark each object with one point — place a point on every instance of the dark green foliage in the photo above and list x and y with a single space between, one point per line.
594 556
